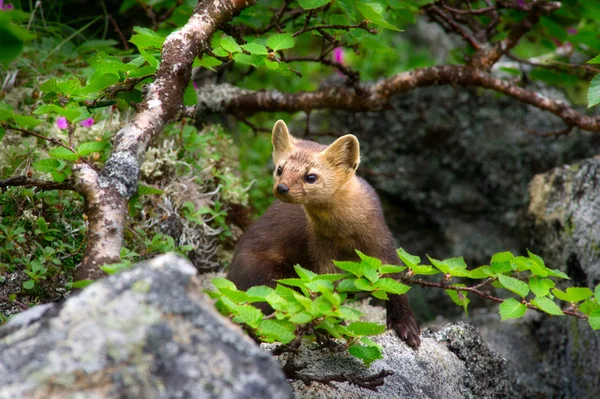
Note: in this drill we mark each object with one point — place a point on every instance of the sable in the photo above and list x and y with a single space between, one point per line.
323 213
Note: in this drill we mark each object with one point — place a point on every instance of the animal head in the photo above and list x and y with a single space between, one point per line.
309 173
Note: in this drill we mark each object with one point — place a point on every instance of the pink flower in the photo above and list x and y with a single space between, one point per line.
338 55
572 31
62 123
6 7
87 123
195 86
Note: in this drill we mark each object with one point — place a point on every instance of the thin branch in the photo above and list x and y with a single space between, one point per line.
484 295
370 382
353 75
23 181
362 25
450 24
19 304
557 133
49 139
119 33
470 11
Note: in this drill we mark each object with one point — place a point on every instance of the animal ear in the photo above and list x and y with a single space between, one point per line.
344 152
282 139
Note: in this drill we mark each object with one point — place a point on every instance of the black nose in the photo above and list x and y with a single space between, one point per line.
282 189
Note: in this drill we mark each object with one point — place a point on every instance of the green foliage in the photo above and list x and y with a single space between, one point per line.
316 304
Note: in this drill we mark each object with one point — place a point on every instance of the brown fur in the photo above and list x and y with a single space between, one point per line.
315 223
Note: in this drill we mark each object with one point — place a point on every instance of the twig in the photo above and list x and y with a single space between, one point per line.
19 304
23 181
51 140
558 133
484 295
370 382
362 25
119 33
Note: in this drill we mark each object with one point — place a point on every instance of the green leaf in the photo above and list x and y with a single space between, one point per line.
6 111
423 270
229 45
521 263
440 265
512 284
547 305
73 114
595 60
512 309
47 165
594 320
540 286
597 293
350 267
349 314
281 41
301 318
29 284
26 122
594 92
368 354
248 314
146 38
557 273
347 285
207 62
588 306
573 294
220 283
390 269
392 286
380 295
148 190
331 276
408 259
276 301
365 328
80 284
459 298
304 274
578 294
312 4
259 291
108 64
480 272
363 284
255 48
90 147
63 153
374 13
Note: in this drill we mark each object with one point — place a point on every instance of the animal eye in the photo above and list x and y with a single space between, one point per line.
310 178
279 170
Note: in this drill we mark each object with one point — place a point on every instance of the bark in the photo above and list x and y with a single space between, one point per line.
108 192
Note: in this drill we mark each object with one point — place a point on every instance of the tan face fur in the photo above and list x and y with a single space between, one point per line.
297 160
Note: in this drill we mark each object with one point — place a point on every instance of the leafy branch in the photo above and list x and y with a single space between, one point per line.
313 307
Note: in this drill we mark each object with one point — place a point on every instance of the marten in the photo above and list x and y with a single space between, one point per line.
323 212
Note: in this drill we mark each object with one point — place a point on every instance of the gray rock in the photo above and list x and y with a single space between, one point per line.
565 231
145 333
452 362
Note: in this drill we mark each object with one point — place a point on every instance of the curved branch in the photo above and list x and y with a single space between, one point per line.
375 97
108 192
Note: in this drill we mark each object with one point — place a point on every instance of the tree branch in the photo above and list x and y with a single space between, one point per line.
375 97
107 193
